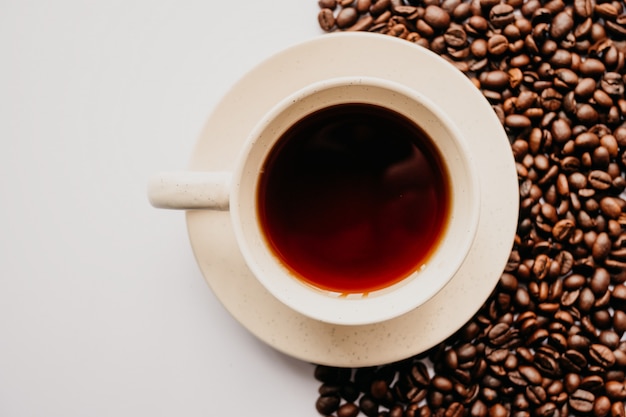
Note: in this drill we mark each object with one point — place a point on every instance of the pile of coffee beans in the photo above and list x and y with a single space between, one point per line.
549 341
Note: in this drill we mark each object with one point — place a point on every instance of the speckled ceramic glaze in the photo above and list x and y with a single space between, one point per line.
368 55
238 193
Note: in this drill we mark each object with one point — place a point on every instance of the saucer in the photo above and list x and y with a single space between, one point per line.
374 55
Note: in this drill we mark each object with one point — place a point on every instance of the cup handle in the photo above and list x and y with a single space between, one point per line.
190 190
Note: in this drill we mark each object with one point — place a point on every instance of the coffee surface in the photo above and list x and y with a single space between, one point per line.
353 198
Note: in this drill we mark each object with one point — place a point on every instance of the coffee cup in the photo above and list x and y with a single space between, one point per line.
354 200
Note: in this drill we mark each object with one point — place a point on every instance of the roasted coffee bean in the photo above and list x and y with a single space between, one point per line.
583 8
617 409
436 17
419 374
592 67
497 79
349 391
612 83
546 410
615 390
379 389
517 121
561 25
602 406
563 229
326 19
609 338
536 394
600 180
456 409
455 37
497 44
346 17
327 404
498 410
327 4
378 7
601 247
363 6
619 322
348 410
592 383
332 375
573 361
602 355
581 401
501 15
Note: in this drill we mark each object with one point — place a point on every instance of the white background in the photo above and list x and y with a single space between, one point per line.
103 311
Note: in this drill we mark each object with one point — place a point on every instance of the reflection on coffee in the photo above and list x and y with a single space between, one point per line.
353 198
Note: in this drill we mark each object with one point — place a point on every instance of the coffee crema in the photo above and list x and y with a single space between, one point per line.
353 198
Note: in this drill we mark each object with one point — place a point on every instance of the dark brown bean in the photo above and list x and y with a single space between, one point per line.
326 19
561 25
378 7
348 410
346 17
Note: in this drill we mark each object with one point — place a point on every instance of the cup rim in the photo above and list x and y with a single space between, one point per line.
354 310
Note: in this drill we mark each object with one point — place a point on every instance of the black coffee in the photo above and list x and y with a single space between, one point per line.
353 198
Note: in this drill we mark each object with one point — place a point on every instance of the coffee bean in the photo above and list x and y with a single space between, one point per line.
536 394
327 4
497 79
581 401
497 44
501 15
456 409
550 99
378 7
573 361
436 17
455 36
612 83
546 410
363 6
606 10
563 229
368 406
348 410
615 390
609 338
601 247
498 410
561 25
600 180
611 207
326 19
592 67
332 375
349 391
602 355
517 121
602 406
619 321
531 374
328 404
346 17
583 8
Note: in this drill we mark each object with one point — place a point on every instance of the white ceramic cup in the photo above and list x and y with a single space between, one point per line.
237 191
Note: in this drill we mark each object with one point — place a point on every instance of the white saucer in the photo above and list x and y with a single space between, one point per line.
335 55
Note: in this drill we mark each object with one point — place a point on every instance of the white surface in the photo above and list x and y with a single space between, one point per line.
103 310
